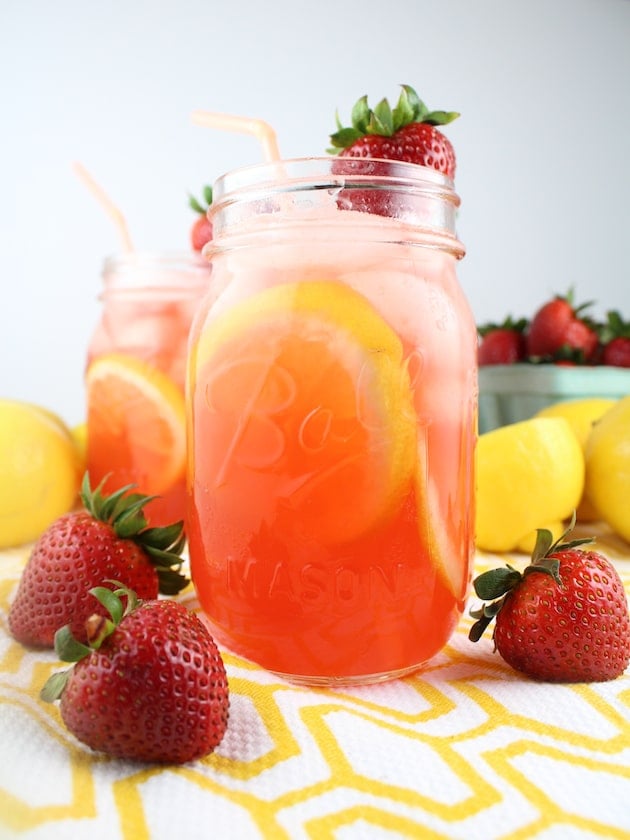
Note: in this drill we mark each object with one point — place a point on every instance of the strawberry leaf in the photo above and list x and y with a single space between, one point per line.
407 108
171 582
440 117
484 616
67 648
194 205
381 121
360 115
54 686
496 582
110 601
345 137
411 102
163 538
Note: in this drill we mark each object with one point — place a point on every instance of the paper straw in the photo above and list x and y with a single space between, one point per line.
245 125
106 203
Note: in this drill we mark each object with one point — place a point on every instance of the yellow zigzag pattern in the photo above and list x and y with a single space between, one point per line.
466 749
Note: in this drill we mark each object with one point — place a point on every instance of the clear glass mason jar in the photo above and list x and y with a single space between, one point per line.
332 393
135 376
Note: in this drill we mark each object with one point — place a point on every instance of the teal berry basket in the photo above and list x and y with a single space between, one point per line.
510 393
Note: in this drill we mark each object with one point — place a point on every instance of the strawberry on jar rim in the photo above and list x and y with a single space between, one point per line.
408 132
201 231
149 685
563 619
107 538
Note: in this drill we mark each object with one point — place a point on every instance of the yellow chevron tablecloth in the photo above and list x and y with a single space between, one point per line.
466 749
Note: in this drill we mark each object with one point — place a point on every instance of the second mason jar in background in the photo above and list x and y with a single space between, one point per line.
332 420
135 376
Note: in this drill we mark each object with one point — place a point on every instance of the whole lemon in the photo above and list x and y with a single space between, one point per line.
581 414
608 467
39 471
528 474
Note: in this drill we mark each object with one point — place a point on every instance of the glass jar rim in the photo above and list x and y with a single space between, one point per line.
420 200
318 171
167 271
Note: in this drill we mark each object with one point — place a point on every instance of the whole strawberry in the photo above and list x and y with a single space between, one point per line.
564 619
559 331
107 539
150 685
502 344
201 231
616 341
407 132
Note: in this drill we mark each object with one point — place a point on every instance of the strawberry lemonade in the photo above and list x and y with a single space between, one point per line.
331 420
135 377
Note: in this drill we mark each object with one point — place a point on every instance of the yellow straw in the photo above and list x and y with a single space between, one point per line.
245 125
106 203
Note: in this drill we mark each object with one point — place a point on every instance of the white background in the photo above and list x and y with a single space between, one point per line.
543 142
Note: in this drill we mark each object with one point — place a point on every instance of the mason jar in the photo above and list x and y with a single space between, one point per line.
135 376
331 415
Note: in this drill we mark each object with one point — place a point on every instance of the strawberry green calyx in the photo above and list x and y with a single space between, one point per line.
198 206
68 649
615 326
123 510
509 323
384 120
495 585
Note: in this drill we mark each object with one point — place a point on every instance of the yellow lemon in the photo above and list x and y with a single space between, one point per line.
581 415
40 471
608 467
528 474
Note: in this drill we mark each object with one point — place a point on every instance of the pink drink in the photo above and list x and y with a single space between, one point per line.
148 305
332 411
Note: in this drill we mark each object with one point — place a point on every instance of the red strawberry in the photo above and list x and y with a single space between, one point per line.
406 132
150 685
560 332
616 341
564 619
502 344
108 539
201 232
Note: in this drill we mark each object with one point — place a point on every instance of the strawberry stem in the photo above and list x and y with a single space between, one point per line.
98 628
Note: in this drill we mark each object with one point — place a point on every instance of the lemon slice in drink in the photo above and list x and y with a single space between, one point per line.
136 424
303 412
